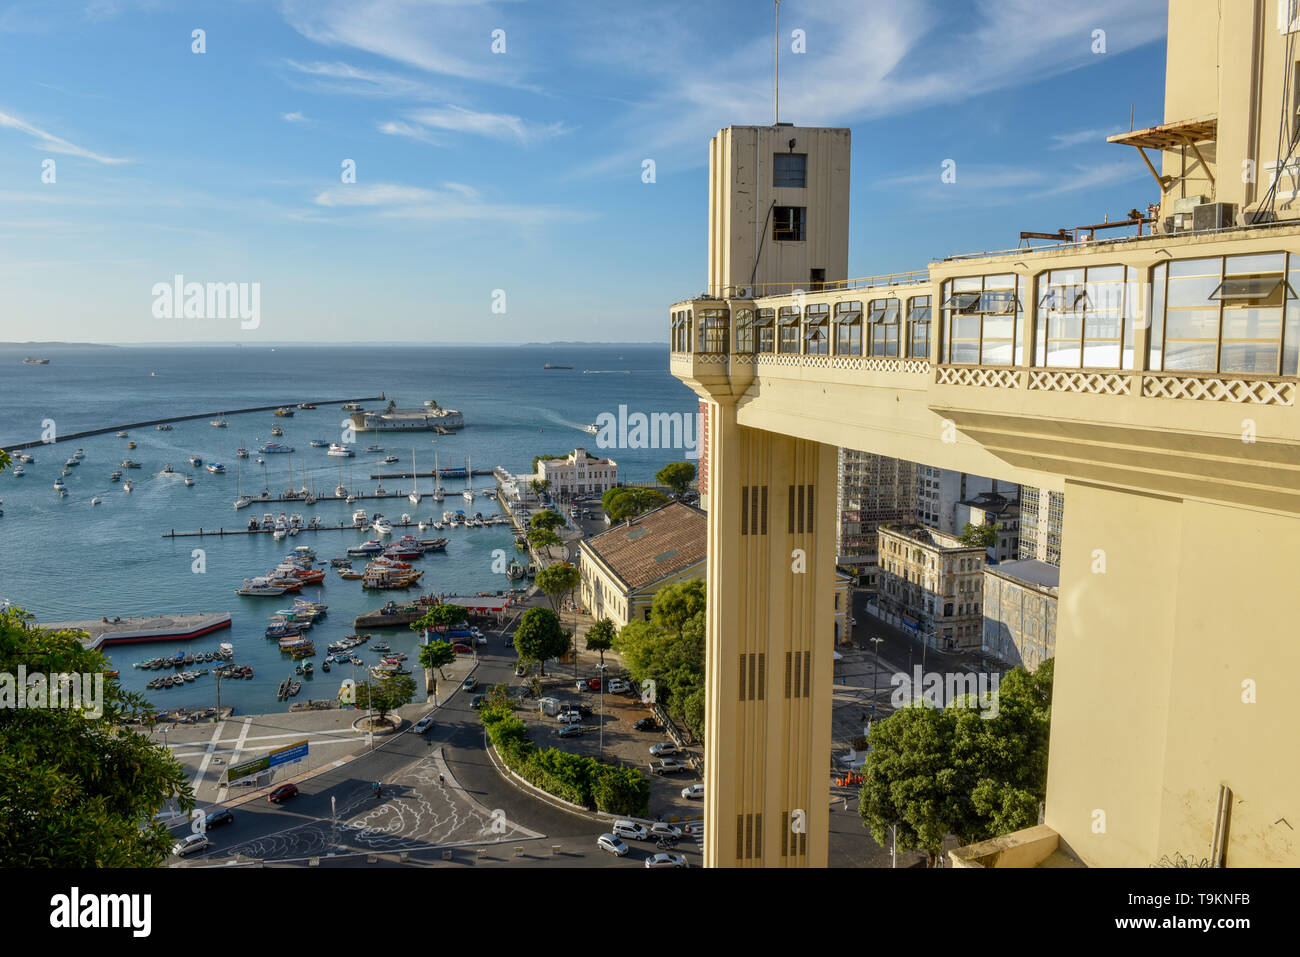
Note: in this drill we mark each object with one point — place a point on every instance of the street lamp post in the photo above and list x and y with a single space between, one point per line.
600 752
875 672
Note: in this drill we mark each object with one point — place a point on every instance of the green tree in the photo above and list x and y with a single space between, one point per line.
627 503
600 637
986 536
556 581
693 712
437 654
539 637
668 650
385 694
676 604
678 476
548 519
908 781
975 769
543 538
4 460
544 458
76 790
433 404
441 618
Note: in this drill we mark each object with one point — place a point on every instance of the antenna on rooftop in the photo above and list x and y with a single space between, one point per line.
776 66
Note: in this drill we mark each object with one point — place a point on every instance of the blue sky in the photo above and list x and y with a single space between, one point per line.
519 171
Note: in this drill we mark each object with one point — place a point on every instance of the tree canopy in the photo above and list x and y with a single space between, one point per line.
556 581
985 536
540 637
621 504
668 650
548 519
385 694
971 772
678 476
437 654
600 637
441 618
76 790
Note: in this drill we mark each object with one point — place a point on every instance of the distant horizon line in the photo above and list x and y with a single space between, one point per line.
58 343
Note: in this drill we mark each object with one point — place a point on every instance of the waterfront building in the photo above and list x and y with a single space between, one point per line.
406 420
1020 599
623 567
994 508
934 583
872 489
578 474
1146 368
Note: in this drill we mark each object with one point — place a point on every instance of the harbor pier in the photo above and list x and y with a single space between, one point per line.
123 631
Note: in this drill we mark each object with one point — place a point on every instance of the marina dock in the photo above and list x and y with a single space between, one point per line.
123 631
341 527
178 418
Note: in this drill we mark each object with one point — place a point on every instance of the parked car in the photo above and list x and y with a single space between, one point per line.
608 842
631 830
569 717
664 829
667 766
666 859
510 641
572 731
469 684
591 684
192 844
646 724
582 709
283 793
693 791
423 725
618 686
664 748
461 649
478 701
217 817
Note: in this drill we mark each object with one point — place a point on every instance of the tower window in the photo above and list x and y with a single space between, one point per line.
790 170
788 223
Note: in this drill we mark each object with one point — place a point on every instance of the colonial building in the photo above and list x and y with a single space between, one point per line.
931 579
1020 612
578 474
623 568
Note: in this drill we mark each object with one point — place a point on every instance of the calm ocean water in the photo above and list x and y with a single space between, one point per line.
65 559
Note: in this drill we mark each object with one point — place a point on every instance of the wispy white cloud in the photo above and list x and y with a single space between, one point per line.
409 130
453 202
294 117
1061 141
339 77
445 37
500 126
56 144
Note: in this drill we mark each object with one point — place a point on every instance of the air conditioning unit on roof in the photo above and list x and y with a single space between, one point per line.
744 292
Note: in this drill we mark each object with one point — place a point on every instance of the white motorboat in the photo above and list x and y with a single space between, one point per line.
359 518
449 517
340 492
58 484
189 480
243 501
79 455
117 474
218 423
63 493
19 471
167 469
96 500
127 486
260 587
121 435
382 525
341 451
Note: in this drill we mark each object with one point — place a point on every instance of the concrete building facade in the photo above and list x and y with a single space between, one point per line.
872 490
999 511
1020 605
933 582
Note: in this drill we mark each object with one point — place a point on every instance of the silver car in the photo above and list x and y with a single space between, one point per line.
666 859
608 842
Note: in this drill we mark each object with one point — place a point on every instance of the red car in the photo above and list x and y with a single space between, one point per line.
593 684
461 649
282 793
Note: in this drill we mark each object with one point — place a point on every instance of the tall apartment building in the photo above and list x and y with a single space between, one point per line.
1042 515
936 581
940 491
873 489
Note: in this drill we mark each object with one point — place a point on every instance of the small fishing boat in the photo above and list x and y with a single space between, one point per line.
216 468
277 431
196 460
127 485
218 423
130 445
96 500
167 469
164 427
116 476
325 666
189 480
130 464
319 443
284 412
19 471
121 435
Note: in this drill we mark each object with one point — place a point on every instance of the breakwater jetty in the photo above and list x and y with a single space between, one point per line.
71 436
122 631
